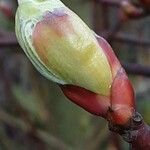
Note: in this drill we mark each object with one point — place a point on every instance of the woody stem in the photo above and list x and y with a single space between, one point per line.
136 133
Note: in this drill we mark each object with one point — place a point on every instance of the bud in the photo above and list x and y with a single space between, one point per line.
119 106
62 48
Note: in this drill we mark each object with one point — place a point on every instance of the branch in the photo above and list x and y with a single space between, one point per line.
8 40
126 38
113 3
131 9
136 132
136 69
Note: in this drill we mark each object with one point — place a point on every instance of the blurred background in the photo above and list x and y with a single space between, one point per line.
35 115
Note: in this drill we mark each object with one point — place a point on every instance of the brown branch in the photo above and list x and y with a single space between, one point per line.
114 3
136 132
137 69
126 38
130 9
8 40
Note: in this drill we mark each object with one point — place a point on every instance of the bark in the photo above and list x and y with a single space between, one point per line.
136 132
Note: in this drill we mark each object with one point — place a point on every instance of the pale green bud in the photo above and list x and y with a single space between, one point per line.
61 46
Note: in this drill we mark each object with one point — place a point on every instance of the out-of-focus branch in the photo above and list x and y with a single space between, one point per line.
137 69
113 3
145 3
130 9
8 40
126 38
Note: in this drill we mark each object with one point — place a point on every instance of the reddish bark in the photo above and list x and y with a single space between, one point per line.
142 139
136 132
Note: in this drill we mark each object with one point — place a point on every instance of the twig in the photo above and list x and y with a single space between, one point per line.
8 40
126 38
137 69
131 9
114 3
136 132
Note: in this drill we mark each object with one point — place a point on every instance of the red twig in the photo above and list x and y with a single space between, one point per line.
136 132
